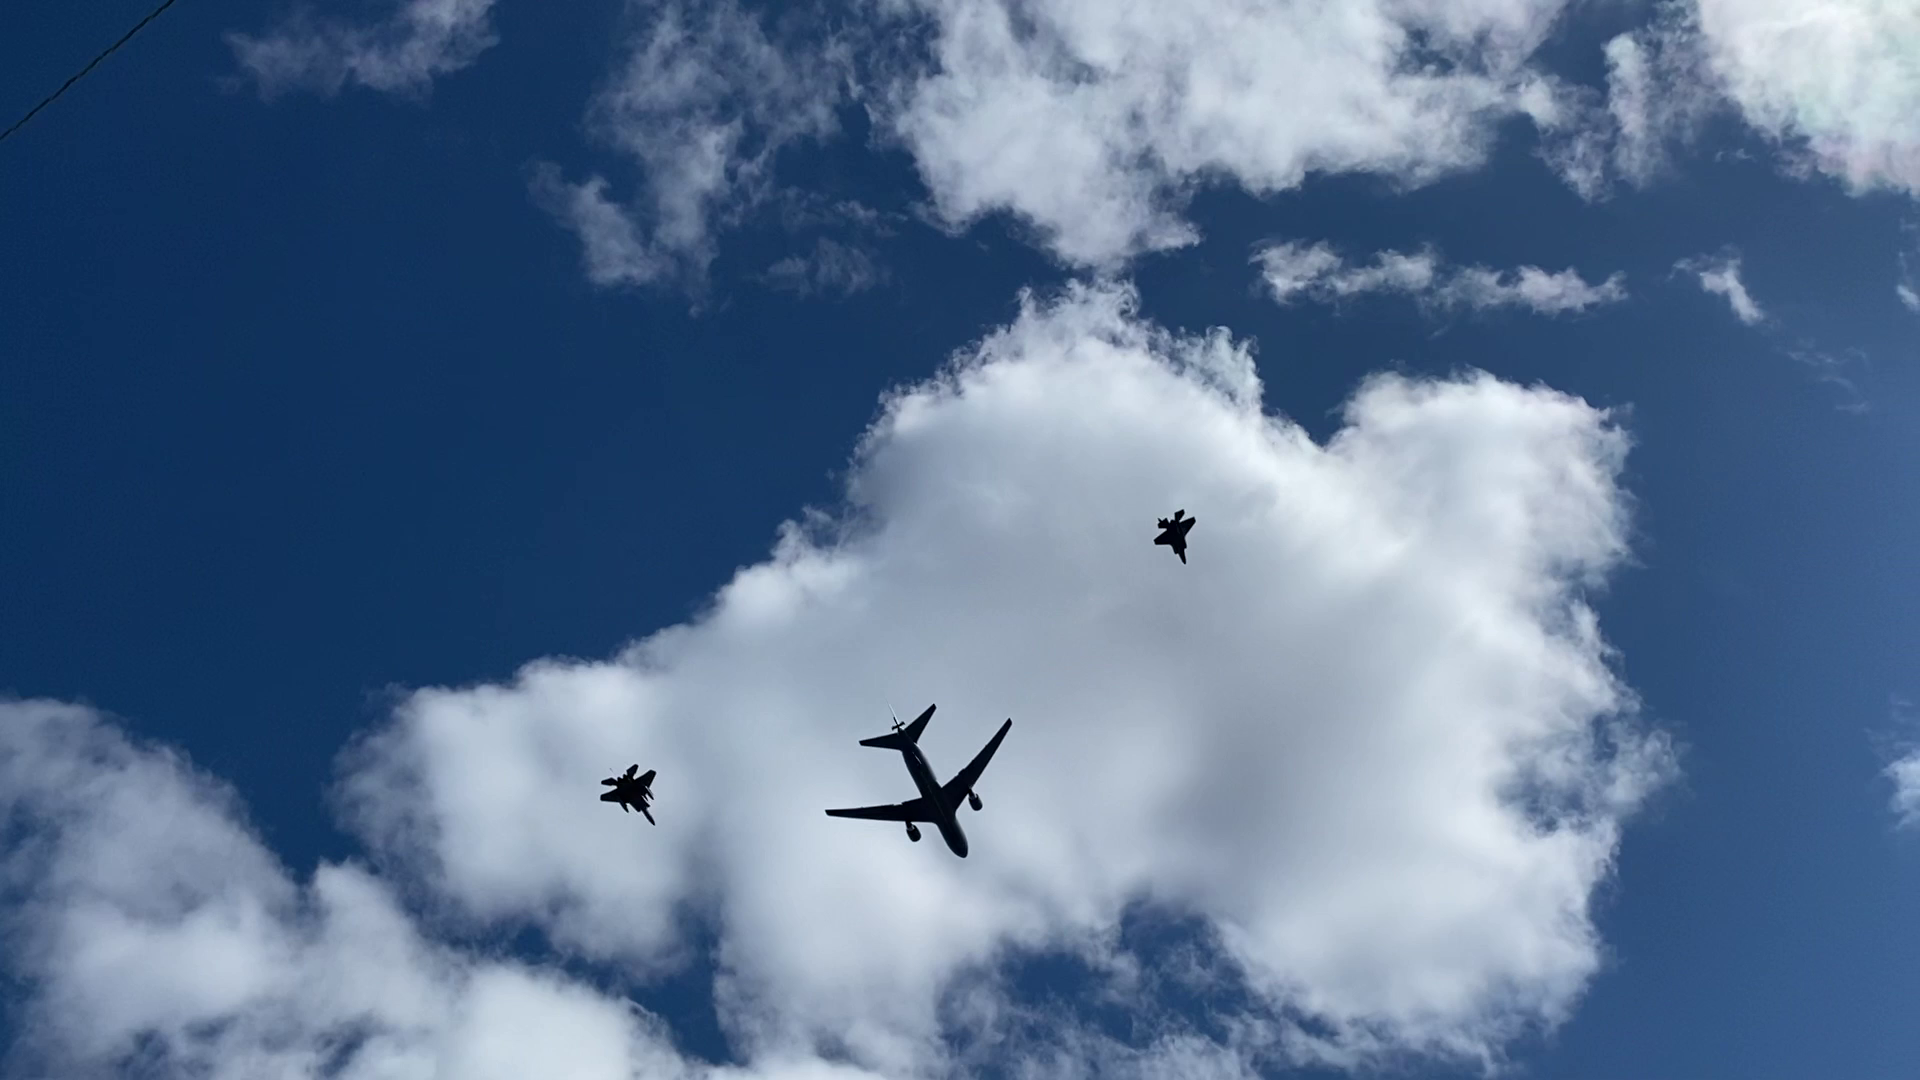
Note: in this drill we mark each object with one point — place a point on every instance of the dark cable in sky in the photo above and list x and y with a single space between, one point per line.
128 36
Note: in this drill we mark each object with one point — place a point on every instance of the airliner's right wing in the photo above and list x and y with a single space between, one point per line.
956 789
911 810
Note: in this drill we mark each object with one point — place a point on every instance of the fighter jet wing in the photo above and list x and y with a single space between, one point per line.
955 790
911 810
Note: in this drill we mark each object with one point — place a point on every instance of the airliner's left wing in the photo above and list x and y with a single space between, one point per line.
911 810
956 789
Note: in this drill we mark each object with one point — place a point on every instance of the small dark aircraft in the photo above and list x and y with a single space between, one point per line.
937 801
631 791
1174 531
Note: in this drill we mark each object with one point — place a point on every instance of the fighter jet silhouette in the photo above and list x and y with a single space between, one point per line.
630 791
1174 532
937 802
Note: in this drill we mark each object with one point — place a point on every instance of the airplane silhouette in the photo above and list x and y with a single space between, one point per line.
628 789
1174 532
937 802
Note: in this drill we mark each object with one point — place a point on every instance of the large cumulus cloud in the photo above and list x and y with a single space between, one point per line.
1368 731
1839 77
1368 739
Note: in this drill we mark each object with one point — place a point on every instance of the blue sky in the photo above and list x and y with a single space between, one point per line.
336 394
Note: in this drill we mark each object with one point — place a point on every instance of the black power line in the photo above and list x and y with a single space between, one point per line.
128 36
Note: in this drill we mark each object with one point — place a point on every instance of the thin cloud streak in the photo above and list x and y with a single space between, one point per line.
1318 272
1905 774
401 54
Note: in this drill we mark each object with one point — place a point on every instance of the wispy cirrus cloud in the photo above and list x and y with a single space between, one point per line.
1387 822
1905 774
1846 368
702 105
1908 287
1720 275
1659 95
402 53
1904 770
1293 270
830 267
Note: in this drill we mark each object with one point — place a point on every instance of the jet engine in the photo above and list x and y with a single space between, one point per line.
913 833
973 800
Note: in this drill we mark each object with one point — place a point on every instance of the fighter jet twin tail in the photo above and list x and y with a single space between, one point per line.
630 790
937 803
1173 532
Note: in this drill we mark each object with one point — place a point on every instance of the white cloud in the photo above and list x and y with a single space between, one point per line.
1090 121
831 267
1832 80
1837 76
704 103
1369 737
1907 296
1320 273
1309 736
1720 275
150 925
1843 369
1905 769
399 54
1659 93
1093 120
1905 774
1575 135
